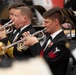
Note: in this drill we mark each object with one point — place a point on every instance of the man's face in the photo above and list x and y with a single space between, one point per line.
19 19
11 13
49 25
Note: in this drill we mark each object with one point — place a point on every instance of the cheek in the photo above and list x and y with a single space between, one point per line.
11 17
17 20
20 21
50 27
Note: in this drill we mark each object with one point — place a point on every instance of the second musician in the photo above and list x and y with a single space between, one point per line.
22 20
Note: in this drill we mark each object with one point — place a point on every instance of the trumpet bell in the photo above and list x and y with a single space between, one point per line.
9 29
8 26
21 46
39 35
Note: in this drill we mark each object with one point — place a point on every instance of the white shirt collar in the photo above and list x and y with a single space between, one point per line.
56 33
21 28
24 27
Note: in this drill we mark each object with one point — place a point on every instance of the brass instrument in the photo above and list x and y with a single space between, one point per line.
40 33
9 26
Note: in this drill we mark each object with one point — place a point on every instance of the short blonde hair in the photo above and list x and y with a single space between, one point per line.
26 11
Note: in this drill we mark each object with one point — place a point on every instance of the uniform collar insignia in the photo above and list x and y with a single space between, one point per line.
56 50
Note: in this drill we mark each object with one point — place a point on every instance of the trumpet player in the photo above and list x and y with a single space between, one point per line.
3 32
11 15
22 22
55 49
11 9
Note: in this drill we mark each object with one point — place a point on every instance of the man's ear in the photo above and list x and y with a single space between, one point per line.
25 18
56 21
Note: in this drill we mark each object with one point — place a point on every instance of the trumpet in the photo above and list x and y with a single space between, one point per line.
6 25
41 36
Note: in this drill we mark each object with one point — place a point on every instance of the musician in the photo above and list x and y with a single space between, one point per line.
55 49
22 20
11 9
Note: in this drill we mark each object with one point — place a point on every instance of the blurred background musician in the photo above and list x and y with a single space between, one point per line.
22 22
11 9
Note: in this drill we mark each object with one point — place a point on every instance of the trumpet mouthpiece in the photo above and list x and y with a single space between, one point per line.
44 30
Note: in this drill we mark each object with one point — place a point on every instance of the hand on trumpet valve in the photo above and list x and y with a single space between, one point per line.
30 40
7 26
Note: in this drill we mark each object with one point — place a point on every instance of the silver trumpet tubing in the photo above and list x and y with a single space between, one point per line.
20 44
9 26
